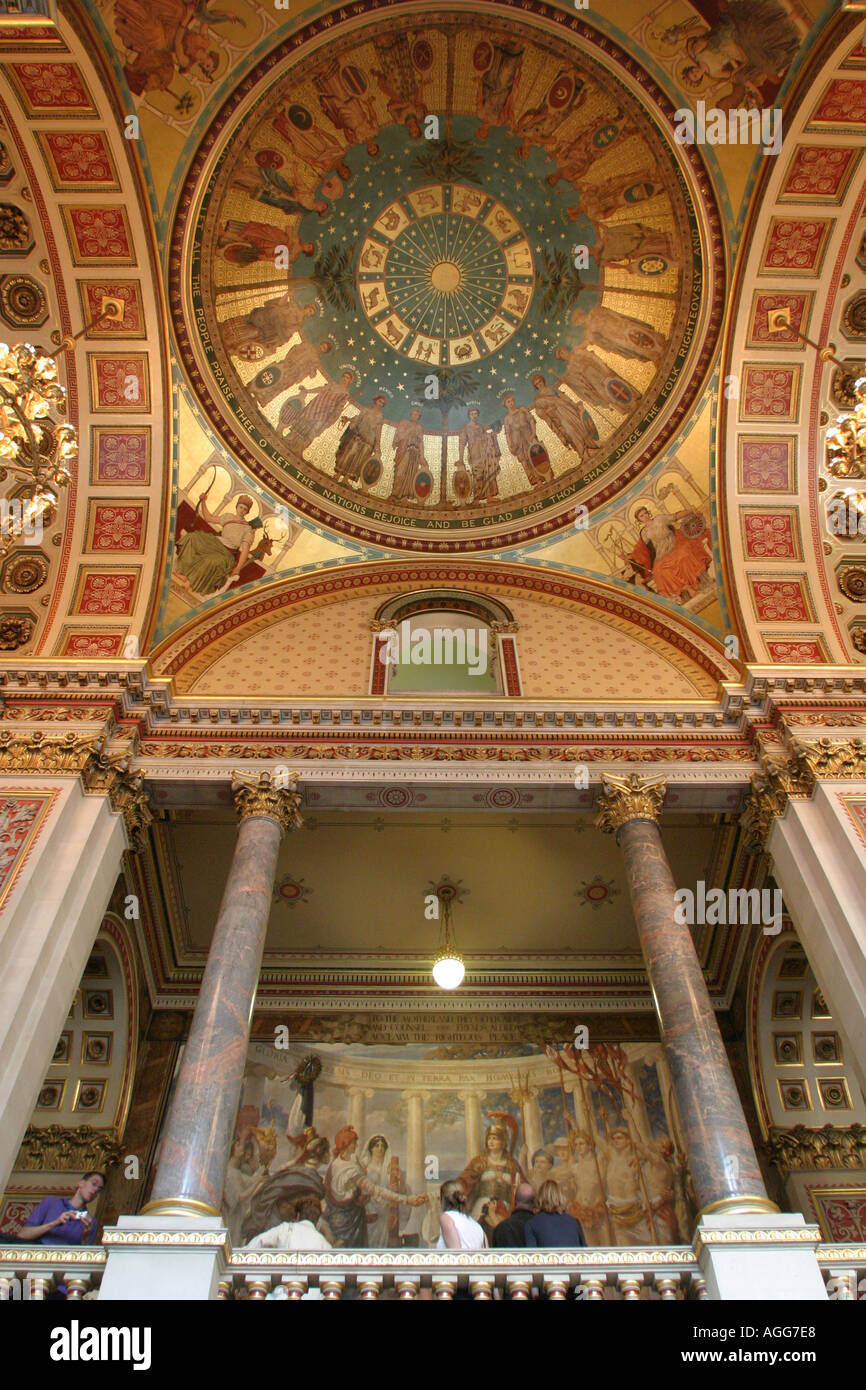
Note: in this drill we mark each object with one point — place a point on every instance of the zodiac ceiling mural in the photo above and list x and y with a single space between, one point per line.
444 280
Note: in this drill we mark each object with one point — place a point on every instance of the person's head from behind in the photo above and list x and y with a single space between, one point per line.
452 1196
309 1209
525 1195
286 1209
550 1197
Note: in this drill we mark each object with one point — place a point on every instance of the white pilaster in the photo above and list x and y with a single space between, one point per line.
820 864
48 924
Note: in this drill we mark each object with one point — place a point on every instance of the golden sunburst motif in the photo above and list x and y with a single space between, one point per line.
446 275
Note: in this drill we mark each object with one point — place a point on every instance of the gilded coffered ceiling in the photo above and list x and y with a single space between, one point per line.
401 286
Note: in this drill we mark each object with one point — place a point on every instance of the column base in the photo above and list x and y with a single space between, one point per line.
741 1205
178 1206
159 1258
762 1257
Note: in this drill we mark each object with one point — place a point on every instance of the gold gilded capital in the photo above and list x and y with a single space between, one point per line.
772 788
264 795
83 755
46 753
629 798
112 775
57 1149
802 1147
830 757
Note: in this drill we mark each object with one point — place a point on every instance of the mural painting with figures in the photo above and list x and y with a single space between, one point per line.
372 1131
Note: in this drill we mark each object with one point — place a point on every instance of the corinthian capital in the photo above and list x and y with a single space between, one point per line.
112 775
46 753
830 757
629 798
772 788
264 795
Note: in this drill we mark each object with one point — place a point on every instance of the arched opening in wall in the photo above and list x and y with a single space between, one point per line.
444 642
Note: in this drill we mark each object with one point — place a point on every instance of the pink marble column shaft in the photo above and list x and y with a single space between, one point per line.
722 1160
197 1138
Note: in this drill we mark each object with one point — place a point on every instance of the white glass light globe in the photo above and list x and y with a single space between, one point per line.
448 971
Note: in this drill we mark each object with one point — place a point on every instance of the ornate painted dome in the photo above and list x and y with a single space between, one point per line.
440 284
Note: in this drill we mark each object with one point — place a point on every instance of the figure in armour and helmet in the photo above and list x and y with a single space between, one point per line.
490 1179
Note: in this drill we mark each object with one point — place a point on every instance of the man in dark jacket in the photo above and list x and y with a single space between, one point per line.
509 1233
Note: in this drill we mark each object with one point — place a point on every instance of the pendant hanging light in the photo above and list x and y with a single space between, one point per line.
448 967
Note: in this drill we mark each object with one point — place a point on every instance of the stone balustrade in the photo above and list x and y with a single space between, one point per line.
650 1273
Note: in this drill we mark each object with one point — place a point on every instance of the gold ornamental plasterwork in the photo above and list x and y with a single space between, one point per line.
56 1149
430 752
431 1260
25 1256
86 756
805 1148
830 758
214 1240
264 795
797 776
113 776
57 754
793 1235
629 798
771 790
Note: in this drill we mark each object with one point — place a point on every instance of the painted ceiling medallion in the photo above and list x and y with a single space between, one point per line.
290 891
596 892
447 341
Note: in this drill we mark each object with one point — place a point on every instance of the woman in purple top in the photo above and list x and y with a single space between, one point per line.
64 1220
551 1225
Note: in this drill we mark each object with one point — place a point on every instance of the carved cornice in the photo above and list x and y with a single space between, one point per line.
55 1149
629 798
814 1149
264 795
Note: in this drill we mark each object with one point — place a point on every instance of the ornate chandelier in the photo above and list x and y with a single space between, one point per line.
34 446
846 442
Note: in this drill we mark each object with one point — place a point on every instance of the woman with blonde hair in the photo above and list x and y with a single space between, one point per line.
551 1225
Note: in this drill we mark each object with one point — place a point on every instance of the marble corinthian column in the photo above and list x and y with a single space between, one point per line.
721 1158
196 1143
